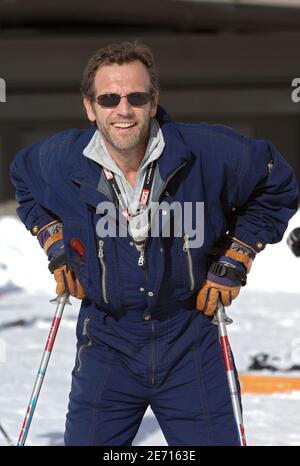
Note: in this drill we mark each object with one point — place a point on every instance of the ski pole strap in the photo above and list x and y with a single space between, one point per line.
221 270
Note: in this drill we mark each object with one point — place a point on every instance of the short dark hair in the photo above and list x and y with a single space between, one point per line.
125 52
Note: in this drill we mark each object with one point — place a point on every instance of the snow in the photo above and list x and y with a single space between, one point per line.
18 254
266 319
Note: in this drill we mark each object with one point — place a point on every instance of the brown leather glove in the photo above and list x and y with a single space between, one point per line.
211 292
225 277
51 239
66 281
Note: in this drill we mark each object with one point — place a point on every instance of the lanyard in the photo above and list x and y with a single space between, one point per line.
143 202
116 192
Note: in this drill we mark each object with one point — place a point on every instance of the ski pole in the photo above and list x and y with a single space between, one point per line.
60 301
221 319
6 436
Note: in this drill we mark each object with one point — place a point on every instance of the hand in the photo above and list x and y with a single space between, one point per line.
67 282
51 239
224 281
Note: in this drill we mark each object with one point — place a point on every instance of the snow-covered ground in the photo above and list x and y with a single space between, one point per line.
266 319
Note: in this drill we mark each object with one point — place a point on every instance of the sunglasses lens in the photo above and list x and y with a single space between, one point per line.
136 99
109 100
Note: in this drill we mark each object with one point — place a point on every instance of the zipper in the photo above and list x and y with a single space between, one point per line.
103 269
153 355
84 333
187 251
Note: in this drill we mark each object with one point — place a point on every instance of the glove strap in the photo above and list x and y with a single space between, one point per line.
51 240
58 262
221 270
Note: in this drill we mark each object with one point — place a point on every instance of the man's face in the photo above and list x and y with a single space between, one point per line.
123 127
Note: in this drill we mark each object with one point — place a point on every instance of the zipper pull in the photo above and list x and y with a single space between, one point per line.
185 243
141 261
101 249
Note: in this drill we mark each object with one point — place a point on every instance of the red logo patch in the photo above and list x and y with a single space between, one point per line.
108 174
144 196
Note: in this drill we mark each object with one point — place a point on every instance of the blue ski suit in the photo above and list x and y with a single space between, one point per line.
141 340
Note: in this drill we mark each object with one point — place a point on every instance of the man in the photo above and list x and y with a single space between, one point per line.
144 330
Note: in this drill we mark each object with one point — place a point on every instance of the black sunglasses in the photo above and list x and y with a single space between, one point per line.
136 99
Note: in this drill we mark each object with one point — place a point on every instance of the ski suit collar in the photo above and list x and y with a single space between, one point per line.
176 152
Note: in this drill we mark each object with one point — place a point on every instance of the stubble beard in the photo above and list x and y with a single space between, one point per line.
139 138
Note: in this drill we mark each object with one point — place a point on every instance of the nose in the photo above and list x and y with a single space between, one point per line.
124 108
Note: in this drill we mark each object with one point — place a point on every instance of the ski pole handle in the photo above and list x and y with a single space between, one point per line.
61 301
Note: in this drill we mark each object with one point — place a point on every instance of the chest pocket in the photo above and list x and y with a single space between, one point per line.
176 278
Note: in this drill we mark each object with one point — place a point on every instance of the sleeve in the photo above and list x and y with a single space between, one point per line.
265 196
28 179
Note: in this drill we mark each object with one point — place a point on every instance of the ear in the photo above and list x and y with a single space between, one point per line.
154 103
89 109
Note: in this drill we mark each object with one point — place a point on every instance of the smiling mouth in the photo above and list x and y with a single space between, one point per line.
123 125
